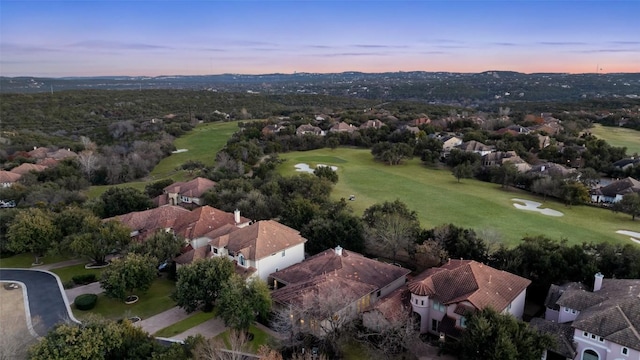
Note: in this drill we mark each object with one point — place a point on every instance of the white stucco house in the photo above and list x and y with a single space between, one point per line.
441 296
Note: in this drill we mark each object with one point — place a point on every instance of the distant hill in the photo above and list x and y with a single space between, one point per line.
465 89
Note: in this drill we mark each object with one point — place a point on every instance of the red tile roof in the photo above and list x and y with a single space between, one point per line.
147 221
7 177
467 280
260 239
202 220
194 188
25 168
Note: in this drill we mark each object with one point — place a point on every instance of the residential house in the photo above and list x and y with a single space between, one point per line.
390 311
442 296
62 154
420 121
38 152
476 147
564 347
309 129
605 321
543 141
26 168
188 194
449 142
627 163
257 249
8 178
501 157
552 169
614 192
343 127
372 124
145 223
346 279
272 129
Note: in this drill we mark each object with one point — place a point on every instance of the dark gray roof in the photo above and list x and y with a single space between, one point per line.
617 317
555 291
579 299
562 333
622 186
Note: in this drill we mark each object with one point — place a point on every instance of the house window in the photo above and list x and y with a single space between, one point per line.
422 302
566 309
463 322
593 336
378 293
624 351
585 334
601 339
282 253
416 301
435 324
574 311
241 260
215 250
438 306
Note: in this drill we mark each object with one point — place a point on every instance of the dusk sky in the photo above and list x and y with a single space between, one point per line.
150 38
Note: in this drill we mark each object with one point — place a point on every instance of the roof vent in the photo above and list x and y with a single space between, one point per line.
338 250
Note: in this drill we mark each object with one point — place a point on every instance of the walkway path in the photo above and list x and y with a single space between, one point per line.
93 288
162 320
208 329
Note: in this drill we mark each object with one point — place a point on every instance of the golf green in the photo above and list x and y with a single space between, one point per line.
439 199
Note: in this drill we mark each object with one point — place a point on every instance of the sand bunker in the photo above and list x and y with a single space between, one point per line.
179 151
634 236
302 167
534 206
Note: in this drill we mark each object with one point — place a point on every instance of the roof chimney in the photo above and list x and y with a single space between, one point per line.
236 216
338 250
597 284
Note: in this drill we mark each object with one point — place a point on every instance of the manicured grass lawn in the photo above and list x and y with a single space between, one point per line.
202 143
259 338
186 324
154 301
67 273
25 260
617 136
439 199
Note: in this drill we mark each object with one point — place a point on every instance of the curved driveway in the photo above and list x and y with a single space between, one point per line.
45 296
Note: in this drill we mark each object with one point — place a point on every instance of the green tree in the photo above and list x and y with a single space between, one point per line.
493 336
505 174
96 239
124 276
326 172
121 200
156 188
464 170
241 303
161 245
199 283
391 153
33 230
575 192
630 204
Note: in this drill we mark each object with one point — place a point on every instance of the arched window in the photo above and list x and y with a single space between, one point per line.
241 260
590 355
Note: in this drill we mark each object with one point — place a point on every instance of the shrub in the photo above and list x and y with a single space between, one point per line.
84 279
69 284
86 301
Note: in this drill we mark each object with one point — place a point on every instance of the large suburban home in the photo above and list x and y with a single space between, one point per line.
26 168
627 163
476 147
506 157
614 192
605 321
332 287
188 194
8 178
372 124
343 127
442 296
309 129
260 248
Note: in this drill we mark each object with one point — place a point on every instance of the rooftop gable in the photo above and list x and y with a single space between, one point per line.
260 239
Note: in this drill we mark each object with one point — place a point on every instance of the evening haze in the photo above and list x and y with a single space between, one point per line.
150 38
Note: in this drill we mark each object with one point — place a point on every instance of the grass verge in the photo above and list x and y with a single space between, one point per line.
25 260
186 324
155 300
67 273
439 199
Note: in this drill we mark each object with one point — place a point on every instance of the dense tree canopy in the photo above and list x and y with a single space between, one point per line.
121 200
242 302
123 276
96 239
33 230
199 283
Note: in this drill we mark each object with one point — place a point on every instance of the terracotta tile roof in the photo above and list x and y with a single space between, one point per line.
350 265
25 168
563 333
39 153
302 294
617 317
343 127
62 154
7 177
260 239
200 221
48 162
374 124
147 221
193 255
194 188
467 280
393 307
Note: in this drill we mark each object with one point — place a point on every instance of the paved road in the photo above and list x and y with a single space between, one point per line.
45 295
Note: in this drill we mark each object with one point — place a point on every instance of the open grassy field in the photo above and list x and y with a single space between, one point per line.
202 144
617 136
25 260
154 301
439 199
